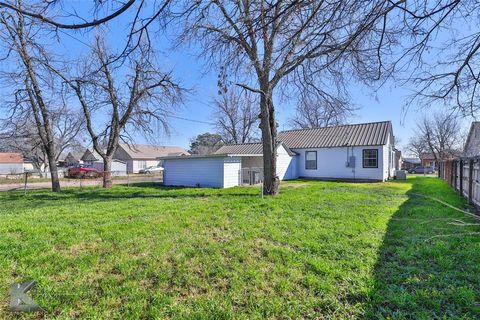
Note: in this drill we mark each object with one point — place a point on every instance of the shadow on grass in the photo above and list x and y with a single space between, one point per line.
134 191
420 277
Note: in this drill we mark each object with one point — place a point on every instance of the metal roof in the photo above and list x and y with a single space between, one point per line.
247 149
363 134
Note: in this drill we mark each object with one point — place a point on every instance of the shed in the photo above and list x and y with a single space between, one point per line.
230 166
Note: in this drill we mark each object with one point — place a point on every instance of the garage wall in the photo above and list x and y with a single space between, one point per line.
207 172
231 172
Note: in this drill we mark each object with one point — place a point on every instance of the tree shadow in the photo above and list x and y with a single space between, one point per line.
427 267
146 190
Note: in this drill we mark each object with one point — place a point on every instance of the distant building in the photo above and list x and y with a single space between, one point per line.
410 163
141 156
11 163
92 159
472 146
73 158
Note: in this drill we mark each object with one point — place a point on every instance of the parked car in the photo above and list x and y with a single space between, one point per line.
422 169
152 169
83 171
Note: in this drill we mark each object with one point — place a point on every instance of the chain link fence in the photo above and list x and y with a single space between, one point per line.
79 179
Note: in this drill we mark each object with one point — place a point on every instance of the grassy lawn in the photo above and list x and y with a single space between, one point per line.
318 250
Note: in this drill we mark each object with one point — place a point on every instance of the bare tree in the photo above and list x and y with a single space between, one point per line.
113 114
439 52
236 114
316 111
417 146
21 135
441 133
34 85
62 15
282 47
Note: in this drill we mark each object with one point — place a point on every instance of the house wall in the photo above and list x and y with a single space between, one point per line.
118 168
472 148
11 168
136 165
331 164
252 162
206 172
285 165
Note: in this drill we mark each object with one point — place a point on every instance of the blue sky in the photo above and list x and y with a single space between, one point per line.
385 104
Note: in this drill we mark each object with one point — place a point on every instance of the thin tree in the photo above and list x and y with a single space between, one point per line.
441 133
236 114
143 108
34 84
277 48
317 111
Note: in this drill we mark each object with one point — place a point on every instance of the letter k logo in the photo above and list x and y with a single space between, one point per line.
19 301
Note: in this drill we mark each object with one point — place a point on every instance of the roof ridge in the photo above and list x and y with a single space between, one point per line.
240 144
336 126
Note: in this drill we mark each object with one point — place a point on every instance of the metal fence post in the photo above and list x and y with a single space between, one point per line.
470 182
461 177
25 184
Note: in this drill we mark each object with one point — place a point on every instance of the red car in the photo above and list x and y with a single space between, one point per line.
83 172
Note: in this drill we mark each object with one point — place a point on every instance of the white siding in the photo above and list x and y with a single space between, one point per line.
136 164
11 168
204 172
331 164
231 172
285 165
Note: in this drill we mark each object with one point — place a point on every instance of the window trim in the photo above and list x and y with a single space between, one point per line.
316 159
363 158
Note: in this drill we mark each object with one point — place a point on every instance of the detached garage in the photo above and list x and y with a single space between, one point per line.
212 171
230 166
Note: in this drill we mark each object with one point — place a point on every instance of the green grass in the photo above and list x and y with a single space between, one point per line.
318 250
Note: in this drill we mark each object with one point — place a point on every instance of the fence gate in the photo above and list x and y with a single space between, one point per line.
251 176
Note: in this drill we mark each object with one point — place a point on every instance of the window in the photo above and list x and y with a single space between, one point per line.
142 164
311 160
370 158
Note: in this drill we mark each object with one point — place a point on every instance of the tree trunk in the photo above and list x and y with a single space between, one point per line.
268 126
52 164
107 172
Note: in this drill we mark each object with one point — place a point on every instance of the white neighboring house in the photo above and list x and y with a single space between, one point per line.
93 159
141 156
472 146
357 152
11 163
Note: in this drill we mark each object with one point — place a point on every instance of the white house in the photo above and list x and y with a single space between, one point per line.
472 146
357 152
93 159
141 156
11 163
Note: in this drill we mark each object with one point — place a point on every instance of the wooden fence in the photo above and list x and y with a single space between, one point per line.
463 175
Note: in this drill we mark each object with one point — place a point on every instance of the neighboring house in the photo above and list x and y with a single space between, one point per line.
472 146
11 163
93 159
348 152
428 160
73 159
141 156
410 163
